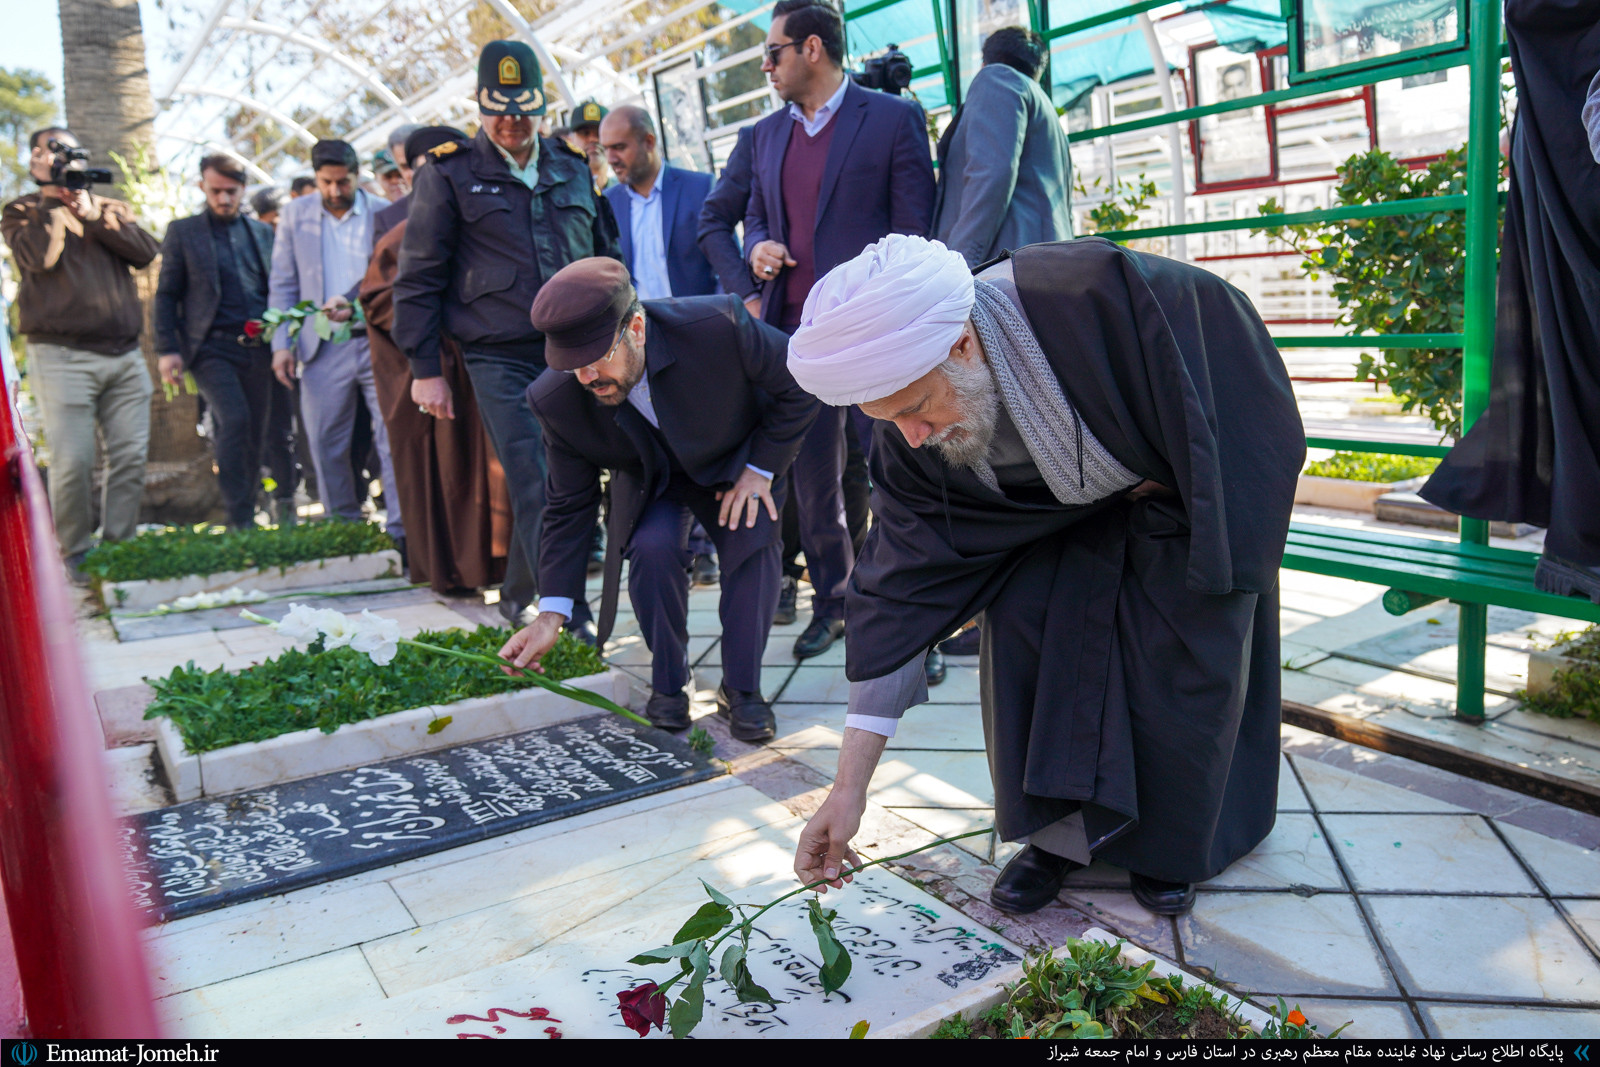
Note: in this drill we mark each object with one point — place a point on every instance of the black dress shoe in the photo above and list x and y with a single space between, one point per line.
1566 578
749 715
704 570
1030 881
818 637
670 711
964 643
787 593
933 667
1162 898
584 632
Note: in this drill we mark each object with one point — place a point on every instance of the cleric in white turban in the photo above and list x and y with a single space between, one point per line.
1094 452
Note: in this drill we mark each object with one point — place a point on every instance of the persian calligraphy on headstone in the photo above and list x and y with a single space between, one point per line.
218 851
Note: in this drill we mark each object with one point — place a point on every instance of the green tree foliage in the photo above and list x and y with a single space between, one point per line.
27 102
1396 275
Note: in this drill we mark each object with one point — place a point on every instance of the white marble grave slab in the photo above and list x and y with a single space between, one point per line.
910 953
146 593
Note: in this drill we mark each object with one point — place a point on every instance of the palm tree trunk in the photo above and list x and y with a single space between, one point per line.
110 109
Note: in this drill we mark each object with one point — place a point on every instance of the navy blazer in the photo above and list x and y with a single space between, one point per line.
878 180
720 217
681 197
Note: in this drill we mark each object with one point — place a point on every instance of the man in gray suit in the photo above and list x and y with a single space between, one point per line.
321 252
1005 175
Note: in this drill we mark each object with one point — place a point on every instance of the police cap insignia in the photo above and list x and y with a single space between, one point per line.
510 71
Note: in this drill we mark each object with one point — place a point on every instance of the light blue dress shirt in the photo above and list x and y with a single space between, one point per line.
528 175
824 113
649 233
346 247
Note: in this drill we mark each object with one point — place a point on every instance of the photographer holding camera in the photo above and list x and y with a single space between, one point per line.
76 252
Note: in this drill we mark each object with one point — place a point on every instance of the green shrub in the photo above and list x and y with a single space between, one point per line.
327 689
182 550
1574 693
1372 467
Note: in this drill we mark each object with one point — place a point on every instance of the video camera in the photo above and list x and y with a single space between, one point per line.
69 167
890 72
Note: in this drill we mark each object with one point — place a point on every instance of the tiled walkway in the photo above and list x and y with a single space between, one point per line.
1403 898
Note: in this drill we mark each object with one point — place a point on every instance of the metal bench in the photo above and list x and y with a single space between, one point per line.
1421 571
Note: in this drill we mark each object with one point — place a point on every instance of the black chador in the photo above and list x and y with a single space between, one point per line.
1130 646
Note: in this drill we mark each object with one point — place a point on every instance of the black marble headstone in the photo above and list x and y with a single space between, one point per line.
218 851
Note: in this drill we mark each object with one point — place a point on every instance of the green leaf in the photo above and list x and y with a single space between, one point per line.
835 958
440 723
707 922
323 328
665 953
719 897
735 970
859 1030
691 1005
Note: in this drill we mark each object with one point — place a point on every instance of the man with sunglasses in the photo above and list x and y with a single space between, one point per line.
839 168
643 380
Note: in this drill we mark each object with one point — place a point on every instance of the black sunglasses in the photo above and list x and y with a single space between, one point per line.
775 52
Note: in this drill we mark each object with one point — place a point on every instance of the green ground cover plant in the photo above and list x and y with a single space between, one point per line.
1090 991
182 550
1575 692
327 688
1372 467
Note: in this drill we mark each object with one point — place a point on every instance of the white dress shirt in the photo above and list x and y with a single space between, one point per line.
346 247
648 228
824 113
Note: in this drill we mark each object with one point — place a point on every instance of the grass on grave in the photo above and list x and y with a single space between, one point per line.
299 690
1372 467
1090 991
1574 692
182 550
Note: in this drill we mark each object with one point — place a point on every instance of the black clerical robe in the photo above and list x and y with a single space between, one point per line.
1534 456
1130 647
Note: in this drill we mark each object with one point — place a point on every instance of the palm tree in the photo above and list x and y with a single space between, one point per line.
110 109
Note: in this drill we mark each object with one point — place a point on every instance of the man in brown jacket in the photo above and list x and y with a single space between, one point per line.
76 253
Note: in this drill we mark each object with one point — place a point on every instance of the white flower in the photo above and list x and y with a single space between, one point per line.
377 636
374 635
200 601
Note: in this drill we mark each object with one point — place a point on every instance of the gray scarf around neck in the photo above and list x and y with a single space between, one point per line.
1077 467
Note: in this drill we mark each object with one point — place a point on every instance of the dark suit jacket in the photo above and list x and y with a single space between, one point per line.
878 180
390 217
681 196
723 394
189 290
723 211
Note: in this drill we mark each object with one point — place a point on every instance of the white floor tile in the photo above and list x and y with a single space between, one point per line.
1294 854
1509 1023
1565 869
1436 853
1286 944
1333 789
275 1002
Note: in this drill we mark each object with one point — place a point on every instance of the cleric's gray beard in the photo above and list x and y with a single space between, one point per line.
966 442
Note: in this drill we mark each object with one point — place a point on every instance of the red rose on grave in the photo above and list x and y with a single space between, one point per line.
253 329
641 1007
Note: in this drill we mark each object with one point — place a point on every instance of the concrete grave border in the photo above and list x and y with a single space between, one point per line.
980 998
1347 493
142 594
305 753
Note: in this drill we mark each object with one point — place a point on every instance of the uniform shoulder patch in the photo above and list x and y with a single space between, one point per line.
439 151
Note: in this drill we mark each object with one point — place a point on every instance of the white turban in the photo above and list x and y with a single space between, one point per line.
877 323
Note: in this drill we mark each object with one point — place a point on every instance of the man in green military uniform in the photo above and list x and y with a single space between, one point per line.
582 135
489 225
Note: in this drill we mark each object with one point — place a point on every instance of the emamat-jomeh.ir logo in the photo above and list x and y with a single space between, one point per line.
31 1053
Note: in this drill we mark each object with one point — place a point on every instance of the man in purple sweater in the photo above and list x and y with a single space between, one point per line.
839 168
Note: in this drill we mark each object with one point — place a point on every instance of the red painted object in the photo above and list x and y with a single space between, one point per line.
73 928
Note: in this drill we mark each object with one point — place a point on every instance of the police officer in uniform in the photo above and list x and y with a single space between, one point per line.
488 226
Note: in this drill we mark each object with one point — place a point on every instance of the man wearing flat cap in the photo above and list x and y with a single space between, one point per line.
488 227
688 403
1094 451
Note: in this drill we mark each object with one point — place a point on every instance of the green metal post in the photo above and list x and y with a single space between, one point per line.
945 49
1483 233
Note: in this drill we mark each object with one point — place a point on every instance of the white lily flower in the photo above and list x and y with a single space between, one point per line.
299 625
377 636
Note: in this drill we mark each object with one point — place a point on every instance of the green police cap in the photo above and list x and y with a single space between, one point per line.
588 113
509 80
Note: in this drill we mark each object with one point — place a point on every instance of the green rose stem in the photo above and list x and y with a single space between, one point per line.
583 696
735 927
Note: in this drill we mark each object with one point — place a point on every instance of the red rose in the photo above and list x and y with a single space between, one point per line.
252 329
642 1006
